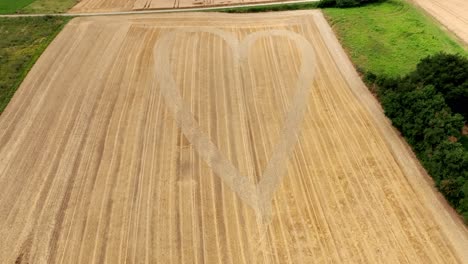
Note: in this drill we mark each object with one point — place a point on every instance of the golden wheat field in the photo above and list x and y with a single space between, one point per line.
210 138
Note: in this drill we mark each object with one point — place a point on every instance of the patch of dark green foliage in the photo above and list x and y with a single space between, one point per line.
449 75
345 3
22 41
429 106
270 8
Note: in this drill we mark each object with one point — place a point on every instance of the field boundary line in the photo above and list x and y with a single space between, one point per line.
401 152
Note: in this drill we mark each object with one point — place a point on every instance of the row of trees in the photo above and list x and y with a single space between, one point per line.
344 3
430 106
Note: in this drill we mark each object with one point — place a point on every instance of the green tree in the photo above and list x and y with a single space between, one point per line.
449 166
418 105
421 115
345 3
448 73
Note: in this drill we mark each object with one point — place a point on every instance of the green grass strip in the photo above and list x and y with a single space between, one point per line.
35 6
22 41
48 6
390 37
12 6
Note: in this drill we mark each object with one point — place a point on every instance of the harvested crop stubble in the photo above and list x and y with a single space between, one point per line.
453 14
85 6
210 138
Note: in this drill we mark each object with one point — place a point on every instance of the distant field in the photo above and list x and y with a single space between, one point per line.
11 6
389 38
22 40
35 6
49 6
89 6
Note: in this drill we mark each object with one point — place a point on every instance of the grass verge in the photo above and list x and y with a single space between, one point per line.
12 6
22 41
35 6
269 8
390 37
48 6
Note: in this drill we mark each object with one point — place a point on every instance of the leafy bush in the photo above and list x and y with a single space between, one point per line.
345 3
449 75
422 116
420 106
270 8
448 164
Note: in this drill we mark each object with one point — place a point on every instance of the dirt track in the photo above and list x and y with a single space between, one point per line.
453 14
172 139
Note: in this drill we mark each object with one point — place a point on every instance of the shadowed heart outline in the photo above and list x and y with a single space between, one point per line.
257 196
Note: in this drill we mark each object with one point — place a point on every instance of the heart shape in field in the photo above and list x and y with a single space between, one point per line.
257 196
